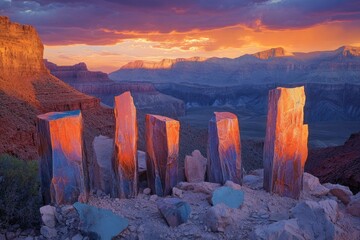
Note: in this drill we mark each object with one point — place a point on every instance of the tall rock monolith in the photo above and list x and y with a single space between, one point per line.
62 163
125 155
162 152
224 149
285 149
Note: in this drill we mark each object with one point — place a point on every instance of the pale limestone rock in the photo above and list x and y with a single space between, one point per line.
195 167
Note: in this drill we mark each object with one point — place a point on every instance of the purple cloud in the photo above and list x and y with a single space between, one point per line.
99 22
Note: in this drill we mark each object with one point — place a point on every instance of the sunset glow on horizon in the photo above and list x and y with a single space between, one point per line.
108 34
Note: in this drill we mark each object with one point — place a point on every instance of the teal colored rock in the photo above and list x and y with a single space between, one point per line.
100 223
174 210
230 197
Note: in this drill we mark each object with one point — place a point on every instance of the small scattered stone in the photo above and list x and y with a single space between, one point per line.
48 215
177 192
77 237
218 217
147 191
174 210
48 232
153 197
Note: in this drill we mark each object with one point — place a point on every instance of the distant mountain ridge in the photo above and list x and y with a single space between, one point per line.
163 64
275 65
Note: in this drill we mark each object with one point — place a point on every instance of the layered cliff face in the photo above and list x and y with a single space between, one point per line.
272 53
163 64
77 73
271 66
27 89
20 50
325 102
147 99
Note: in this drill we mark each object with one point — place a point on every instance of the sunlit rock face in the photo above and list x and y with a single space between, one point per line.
224 148
285 149
162 151
126 133
61 157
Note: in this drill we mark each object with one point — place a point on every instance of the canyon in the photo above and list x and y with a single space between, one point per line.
27 88
146 97
276 65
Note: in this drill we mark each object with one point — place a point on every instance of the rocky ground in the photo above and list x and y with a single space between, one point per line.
320 213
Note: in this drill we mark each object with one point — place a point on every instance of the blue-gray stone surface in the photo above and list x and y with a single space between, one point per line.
174 210
100 223
231 197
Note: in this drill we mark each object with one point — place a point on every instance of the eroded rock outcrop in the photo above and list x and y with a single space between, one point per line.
285 149
27 89
62 158
224 154
77 73
162 151
125 156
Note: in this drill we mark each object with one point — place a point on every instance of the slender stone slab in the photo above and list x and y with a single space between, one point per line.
102 169
162 151
224 149
61 157
285 149
125 155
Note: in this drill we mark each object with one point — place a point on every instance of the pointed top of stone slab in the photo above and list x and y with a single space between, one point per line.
218 116
58 115
161 118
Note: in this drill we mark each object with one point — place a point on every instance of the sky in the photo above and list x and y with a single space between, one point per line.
109 33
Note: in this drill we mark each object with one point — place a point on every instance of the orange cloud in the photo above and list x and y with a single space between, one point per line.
230 42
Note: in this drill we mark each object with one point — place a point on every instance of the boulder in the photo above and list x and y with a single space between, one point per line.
224 149
343 193
316 220
102 170
162 151
282 230
177 192
354 206
200 187
174 210
253 181
102 223
218 217
62 162
125 148
232 198
195 167
312 186
285 147
48 232
48 215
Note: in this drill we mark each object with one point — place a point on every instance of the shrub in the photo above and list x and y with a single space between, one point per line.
19 192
